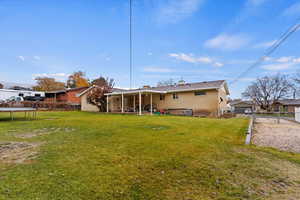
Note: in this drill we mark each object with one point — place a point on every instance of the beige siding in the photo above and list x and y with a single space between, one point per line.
189 100
85 106
223 104
114 104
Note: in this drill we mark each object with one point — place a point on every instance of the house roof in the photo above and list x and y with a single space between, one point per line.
291 102
206 85
65 90
90 88
237 102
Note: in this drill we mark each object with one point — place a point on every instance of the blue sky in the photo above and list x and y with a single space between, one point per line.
197 40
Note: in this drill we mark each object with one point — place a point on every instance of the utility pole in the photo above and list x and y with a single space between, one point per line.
130 41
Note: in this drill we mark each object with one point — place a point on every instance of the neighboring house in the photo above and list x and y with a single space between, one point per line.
286 105
7 93
242 106
203 98
85 105
66 96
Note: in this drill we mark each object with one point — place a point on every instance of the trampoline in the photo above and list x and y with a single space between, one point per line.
27 112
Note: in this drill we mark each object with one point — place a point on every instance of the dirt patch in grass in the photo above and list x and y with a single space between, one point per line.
284 136
17 152
156 127
44 131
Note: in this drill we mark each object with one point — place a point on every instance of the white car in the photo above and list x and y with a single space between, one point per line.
248 111
15 99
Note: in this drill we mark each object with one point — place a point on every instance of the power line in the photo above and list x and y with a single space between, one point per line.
270 50
130 41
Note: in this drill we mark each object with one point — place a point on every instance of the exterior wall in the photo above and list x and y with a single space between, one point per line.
223 100
283 108
209 103
68 96
114 104
63 97
85 106
297 114
188 100
71 96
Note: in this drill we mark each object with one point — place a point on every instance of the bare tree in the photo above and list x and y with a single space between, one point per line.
268 89
297 77
296 84
96 95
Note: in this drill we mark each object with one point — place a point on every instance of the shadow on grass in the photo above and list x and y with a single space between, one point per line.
8 119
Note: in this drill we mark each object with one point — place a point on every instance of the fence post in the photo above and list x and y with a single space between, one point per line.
249 131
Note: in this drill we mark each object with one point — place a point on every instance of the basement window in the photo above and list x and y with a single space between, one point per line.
175 96
200 93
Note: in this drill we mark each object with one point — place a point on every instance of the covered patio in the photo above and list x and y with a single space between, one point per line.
135 101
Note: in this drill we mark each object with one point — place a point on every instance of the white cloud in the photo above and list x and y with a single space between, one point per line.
227 42
292 10
278 67
265 44
177 10
218 64
267 58
250 8
59 76
284 59
240 61
296 60
157 69
149 53
22 58
183 57
36 58
190 58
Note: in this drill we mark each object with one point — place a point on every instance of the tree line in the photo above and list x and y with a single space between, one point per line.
75 80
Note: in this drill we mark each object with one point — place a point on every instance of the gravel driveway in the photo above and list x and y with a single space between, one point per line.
284 136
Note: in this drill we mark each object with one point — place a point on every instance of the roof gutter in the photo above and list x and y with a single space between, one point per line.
160 92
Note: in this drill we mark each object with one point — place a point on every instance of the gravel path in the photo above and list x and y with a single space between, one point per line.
284 136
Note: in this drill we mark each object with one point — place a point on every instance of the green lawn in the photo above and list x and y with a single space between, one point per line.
100 156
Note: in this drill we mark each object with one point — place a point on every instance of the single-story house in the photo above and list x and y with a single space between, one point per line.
85 105
66 96
286 105
202 98
242 106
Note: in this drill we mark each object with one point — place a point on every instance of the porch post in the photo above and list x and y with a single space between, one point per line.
107 104
134 103
151 106
122 102
140 103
